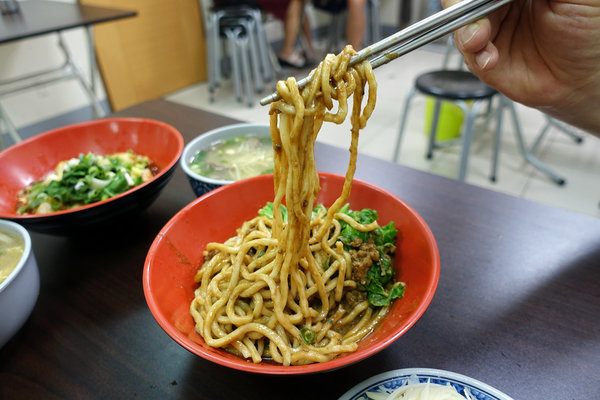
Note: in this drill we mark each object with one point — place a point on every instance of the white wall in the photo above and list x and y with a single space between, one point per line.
32 55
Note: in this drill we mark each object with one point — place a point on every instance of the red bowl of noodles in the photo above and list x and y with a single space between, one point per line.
177 253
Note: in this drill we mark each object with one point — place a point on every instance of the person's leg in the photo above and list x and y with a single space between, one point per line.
356 23
291 26
288 12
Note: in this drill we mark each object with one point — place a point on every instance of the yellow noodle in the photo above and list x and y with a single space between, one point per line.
262 288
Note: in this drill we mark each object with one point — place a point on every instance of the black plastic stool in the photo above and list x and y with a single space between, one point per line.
454 85
459 87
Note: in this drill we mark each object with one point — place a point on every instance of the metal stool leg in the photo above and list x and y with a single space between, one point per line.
214 60
433 128
497 141
242 47
231 35
269 63
11 129
250 27
524 151
218 50
551 122
566 129
403 119
540 136
468 134
78 74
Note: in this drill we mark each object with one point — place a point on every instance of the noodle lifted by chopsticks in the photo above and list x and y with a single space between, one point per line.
265 292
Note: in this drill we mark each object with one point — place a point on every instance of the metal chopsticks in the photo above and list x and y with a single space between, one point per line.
417 35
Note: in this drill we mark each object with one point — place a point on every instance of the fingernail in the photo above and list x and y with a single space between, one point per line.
466 33
482 59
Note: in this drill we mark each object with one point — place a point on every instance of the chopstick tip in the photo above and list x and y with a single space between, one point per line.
269 99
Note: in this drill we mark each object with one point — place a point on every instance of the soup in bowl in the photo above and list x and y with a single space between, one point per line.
12 246
19 279
227 154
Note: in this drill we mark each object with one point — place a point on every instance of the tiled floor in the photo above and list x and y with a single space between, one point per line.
578 163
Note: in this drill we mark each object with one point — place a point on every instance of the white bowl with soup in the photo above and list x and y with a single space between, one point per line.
19 279
227 154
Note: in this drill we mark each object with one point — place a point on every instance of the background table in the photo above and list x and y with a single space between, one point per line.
517 306
37 18
41 17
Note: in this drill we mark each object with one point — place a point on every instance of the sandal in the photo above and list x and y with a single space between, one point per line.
294 61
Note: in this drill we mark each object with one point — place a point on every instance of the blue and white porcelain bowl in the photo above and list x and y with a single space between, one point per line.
202 184
389 381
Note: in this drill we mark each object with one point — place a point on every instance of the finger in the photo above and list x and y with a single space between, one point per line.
448 3
473 38
482 61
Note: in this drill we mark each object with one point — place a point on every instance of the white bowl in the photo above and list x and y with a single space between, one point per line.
20 290
387 382
202 184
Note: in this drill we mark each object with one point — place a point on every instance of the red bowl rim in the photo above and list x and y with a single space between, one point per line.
172 130
273 369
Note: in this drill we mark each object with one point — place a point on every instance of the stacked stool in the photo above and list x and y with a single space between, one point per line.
237 46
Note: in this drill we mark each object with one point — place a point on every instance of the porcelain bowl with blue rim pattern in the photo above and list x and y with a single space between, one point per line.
387 382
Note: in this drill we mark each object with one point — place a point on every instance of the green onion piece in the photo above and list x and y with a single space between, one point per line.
307 335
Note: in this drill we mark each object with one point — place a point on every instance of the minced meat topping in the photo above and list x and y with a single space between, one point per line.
363 255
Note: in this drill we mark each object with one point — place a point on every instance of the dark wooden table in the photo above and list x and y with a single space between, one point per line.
517 306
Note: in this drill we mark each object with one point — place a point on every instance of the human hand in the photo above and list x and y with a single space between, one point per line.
542 53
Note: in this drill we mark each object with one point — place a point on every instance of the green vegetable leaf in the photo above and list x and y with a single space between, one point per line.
348 233
318 209
327 262
378 277
201 156
382 298
86 179
345 208
386 235
366 216
117 185
307 335
378 282
267 211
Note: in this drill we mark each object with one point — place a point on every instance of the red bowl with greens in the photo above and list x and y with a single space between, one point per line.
33 159
177 253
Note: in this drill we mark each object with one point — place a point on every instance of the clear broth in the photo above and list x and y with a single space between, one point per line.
234 159
11 251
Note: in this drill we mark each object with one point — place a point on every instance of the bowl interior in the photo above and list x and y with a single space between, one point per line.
176 254
216 135
32 159
18 230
